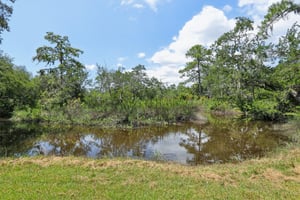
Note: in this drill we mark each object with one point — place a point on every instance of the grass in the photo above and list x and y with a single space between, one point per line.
276 177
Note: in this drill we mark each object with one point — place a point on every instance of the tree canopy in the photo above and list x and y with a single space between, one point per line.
65 77
6 11
243 69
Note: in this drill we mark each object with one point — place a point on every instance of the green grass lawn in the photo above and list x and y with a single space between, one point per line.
276 177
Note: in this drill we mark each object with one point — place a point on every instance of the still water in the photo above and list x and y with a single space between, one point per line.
220 141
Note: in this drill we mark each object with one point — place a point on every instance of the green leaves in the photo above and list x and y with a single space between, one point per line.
16 87
196 69
6 11
242 65
136 98
276 12
62 51
66 80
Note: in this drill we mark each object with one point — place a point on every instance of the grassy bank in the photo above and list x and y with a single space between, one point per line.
276 177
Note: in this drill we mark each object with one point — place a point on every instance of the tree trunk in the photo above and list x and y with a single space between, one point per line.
199 78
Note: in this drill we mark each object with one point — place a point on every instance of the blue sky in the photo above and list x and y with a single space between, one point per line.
113 33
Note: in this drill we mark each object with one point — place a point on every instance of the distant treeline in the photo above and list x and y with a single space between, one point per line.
242 70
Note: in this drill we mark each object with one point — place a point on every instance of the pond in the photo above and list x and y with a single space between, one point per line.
220 141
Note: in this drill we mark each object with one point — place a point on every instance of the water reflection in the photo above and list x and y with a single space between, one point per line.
217 142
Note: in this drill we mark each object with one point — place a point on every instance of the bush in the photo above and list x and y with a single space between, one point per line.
266 110
27 114
217 106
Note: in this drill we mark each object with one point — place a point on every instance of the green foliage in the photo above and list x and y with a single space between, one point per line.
218 106
66 80
221 106
234 72
6 11
120 97
137 99
17 89
27 114
276 12
287 72
236 68
265 110
197 68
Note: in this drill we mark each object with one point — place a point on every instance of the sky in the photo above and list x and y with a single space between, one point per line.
126 33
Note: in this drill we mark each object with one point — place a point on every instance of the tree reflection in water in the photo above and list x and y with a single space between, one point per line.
233 142
217 142
195 144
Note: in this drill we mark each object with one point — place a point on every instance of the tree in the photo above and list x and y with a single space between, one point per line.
195 70
66 80
288 54
285 78
233 55
276 12
287 72
124 88
6 11
17 90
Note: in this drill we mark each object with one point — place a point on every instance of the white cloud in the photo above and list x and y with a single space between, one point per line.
152 4
138 6
141 55
227 8
257 10
132 3
204 28
122 59
91 67
120 62
141 3
248 2
167 74
120 65
280 28
127 2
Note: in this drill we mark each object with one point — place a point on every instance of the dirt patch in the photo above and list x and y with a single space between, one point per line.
273 175
199 118
153 185
212 176
277 177
297 170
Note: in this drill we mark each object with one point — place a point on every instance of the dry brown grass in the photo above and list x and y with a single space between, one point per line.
276 177
214 172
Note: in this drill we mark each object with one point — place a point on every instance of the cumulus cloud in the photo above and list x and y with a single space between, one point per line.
257 9
91 67
204 28
167 74
280 28
141 55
